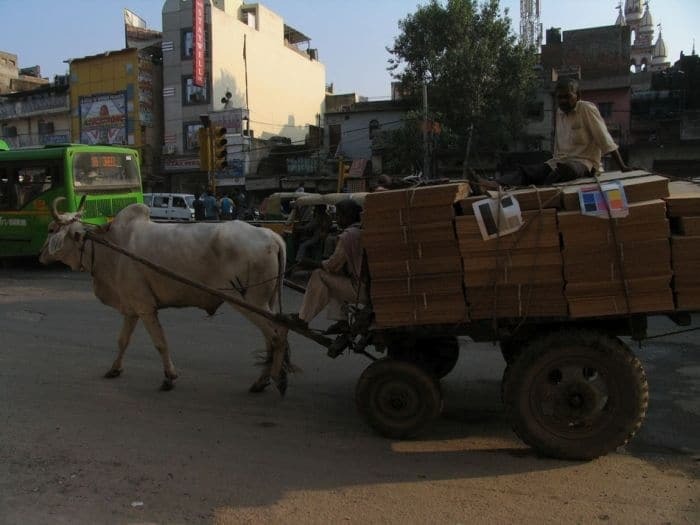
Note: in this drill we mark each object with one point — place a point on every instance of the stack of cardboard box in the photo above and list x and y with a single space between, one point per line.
515 275
412 255
617 266
684 210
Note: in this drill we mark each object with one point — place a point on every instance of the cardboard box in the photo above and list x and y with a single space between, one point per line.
638 189
578 272
684 248
443 194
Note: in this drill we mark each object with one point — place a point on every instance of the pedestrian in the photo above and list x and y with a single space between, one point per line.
226 206
300 189
211 209
198 206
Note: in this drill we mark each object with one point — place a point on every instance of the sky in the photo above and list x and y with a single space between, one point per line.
351 36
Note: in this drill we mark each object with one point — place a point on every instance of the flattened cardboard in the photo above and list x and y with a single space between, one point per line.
601 235
520 258
634 287
637 189
688 299
420 284
640 212
682 205
506 274
517 301
420 309
617 305
689 226
381 219
414 233
407 268
417 250
416 197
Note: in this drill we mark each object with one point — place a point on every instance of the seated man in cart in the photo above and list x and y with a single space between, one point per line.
581 137
337 280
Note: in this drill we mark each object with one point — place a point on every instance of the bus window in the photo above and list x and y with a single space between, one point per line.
105 171
34 181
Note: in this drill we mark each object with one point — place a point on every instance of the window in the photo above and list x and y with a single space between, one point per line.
160 201
9 131
45 128
194 94
605 109
179 202
187 44
20 185
190 137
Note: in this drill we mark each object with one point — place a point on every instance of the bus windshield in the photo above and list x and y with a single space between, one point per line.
105 171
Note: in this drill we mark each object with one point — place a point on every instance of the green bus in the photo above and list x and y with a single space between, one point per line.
31 178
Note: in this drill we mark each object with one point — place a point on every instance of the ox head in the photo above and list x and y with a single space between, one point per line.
66 236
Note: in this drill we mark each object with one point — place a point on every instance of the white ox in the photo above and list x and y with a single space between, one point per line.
234 256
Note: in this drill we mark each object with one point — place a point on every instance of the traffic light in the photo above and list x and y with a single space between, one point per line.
219 137
204 149
343 172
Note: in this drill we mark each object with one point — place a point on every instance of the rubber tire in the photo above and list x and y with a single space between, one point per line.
435 355
380 394
613 426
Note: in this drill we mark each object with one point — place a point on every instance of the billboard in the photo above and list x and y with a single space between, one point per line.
103 118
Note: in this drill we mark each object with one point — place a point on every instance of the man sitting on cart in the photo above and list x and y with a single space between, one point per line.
337 280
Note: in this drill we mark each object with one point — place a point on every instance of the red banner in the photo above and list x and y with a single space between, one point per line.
198 63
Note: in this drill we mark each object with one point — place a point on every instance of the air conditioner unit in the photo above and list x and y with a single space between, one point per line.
168 149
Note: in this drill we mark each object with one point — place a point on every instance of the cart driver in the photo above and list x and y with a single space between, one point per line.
337 279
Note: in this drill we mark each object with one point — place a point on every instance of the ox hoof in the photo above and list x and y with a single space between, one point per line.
259 386
167 385
281 385
112 373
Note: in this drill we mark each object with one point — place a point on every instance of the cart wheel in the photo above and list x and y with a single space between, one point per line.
397 398
576 396
436 355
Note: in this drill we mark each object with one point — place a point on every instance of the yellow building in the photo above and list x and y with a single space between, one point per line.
115 99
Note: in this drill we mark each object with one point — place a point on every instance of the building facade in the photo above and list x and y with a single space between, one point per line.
258 79
114 99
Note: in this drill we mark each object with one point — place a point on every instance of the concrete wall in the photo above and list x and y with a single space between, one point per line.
285 88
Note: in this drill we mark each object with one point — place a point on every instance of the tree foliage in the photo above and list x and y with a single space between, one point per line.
479 77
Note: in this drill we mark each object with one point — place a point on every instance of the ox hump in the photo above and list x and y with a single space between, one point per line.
133 212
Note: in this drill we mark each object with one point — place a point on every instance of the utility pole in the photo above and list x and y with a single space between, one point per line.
426 153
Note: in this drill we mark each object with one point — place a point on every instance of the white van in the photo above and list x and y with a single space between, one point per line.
170 206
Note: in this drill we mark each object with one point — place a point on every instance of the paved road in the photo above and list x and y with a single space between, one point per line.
77 448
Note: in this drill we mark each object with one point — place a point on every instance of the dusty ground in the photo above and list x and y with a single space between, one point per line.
76 448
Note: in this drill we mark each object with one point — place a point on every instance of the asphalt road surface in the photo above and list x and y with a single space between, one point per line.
78 448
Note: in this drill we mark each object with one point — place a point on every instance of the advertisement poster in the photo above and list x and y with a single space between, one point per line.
103 119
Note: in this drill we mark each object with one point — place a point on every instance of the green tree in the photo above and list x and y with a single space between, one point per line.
479 77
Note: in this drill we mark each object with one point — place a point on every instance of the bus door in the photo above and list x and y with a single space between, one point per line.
26 193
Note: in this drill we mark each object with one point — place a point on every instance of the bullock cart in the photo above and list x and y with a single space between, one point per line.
572 387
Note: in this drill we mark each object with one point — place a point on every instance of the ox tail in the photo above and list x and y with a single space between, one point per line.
281 268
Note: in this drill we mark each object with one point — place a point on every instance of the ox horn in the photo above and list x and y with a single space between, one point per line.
81 206
54 207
